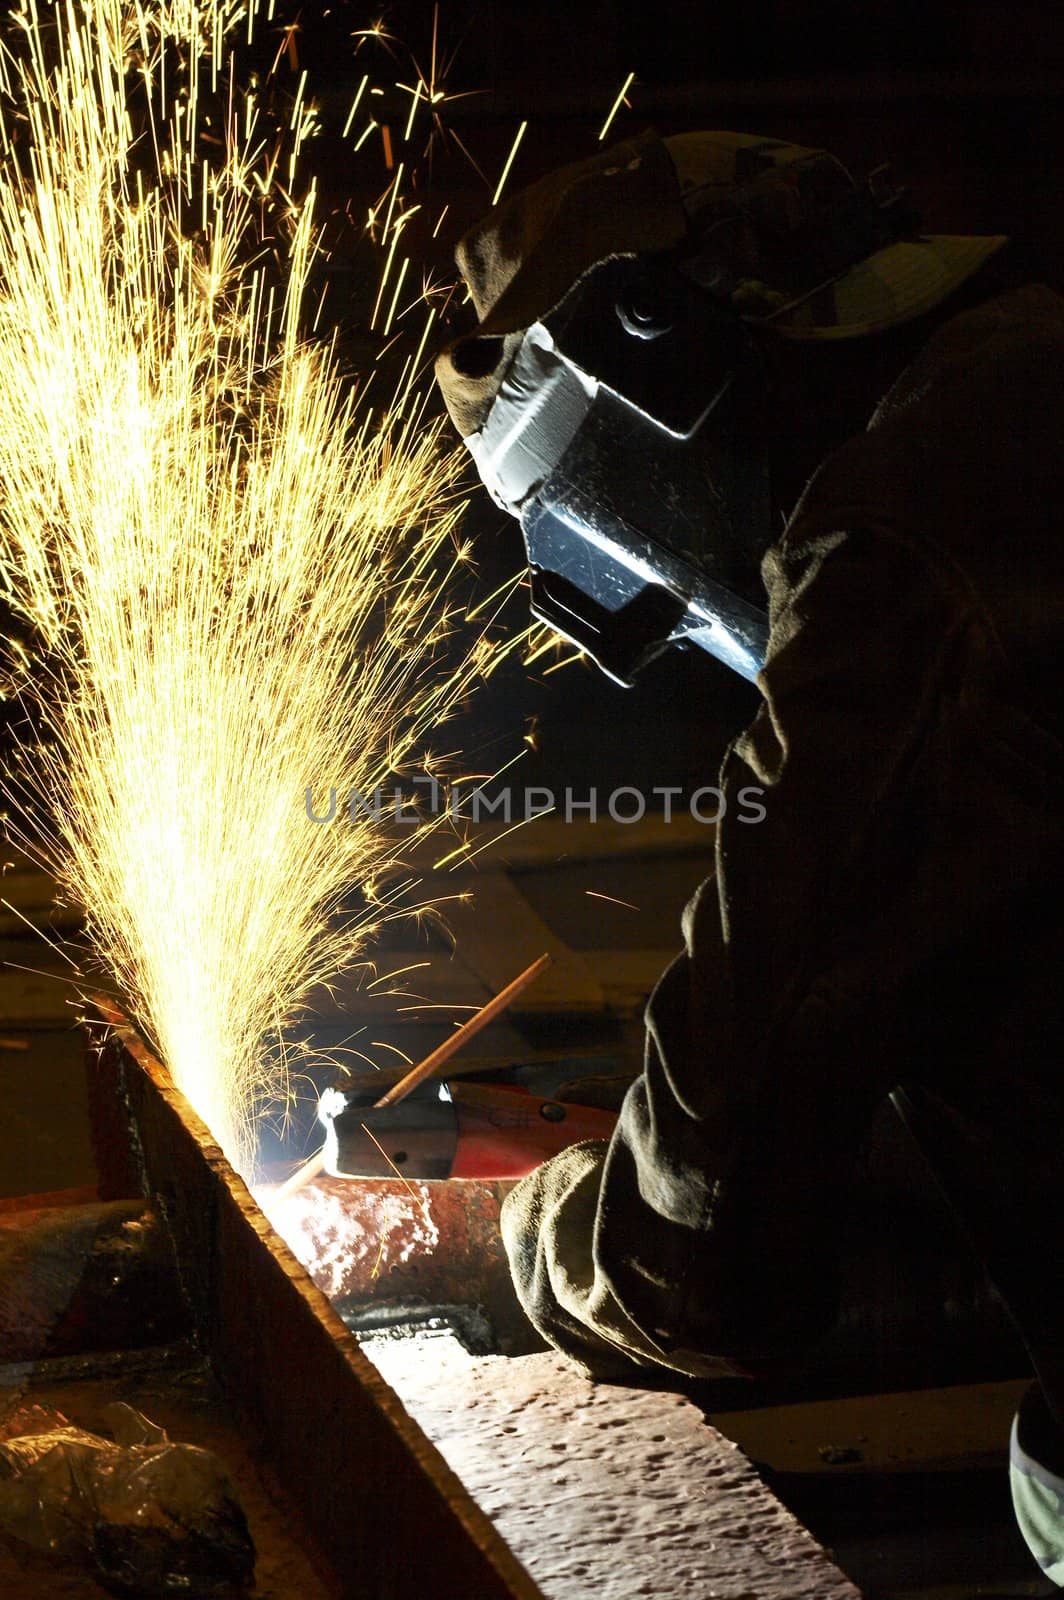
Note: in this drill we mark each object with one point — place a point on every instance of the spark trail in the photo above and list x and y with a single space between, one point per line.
236 574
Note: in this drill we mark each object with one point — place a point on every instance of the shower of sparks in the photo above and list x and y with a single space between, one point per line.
620 101
231 566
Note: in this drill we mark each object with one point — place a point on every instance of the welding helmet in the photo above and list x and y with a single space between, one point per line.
612 393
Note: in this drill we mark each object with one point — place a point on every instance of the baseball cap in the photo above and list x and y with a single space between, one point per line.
781 231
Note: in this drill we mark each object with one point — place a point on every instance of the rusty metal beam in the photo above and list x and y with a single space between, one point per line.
386 1513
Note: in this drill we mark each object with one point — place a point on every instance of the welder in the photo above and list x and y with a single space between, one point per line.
683 346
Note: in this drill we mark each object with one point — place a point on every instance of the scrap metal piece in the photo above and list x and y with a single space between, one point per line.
75 1279
149 1517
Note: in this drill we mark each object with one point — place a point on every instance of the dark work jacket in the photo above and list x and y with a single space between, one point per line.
894 918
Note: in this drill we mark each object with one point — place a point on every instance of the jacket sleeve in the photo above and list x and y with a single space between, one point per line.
703 1236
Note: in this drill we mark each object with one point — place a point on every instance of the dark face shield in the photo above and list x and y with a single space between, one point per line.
626 438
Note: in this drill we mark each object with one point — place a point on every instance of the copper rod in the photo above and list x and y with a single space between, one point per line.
480 1019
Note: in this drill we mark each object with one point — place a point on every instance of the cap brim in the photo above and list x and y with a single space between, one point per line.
896 284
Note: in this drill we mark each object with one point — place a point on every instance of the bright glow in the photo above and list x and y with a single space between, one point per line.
343 1238
234 573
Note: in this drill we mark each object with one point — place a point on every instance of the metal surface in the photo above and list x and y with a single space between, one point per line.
84 1278
607 1491
388 1250
387 1514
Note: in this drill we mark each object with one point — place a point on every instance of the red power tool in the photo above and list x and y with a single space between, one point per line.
453 1129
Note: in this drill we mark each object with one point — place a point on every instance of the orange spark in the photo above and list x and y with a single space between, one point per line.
594 893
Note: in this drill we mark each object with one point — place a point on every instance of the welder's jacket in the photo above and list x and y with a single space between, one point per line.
895 917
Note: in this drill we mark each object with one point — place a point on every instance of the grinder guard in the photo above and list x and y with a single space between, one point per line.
451 1130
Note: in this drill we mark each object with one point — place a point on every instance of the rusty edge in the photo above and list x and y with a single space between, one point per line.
385 1511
